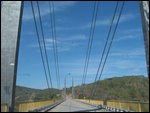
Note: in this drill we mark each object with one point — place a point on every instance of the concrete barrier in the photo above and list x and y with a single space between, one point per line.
4 108
126 105
25 107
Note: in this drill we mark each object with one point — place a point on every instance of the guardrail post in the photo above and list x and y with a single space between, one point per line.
139 106
120 105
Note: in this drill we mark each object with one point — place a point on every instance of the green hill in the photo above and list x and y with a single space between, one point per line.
24 94
117 88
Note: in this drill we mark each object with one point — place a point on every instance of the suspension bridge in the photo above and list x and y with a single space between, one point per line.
11 20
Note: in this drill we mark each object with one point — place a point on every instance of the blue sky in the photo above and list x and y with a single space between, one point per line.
73 19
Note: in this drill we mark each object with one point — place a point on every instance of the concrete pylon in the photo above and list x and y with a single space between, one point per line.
144 7
11 15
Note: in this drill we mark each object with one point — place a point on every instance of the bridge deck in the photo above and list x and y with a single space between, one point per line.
70 106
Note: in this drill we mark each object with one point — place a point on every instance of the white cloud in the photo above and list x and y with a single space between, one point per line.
125 37
124 64
128 53
106 21
101 22
129 34
79 37
61 5
44 7
50 41
127 17
127 66
63 43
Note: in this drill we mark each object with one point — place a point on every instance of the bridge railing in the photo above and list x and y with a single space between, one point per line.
25 107
145 107
4 108
126 105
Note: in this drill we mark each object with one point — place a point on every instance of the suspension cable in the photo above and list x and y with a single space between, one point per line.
113 36
52 18
38 37
41 26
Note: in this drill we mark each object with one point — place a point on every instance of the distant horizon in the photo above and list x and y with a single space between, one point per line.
146 76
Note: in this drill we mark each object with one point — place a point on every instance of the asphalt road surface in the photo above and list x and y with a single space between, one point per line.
71 106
